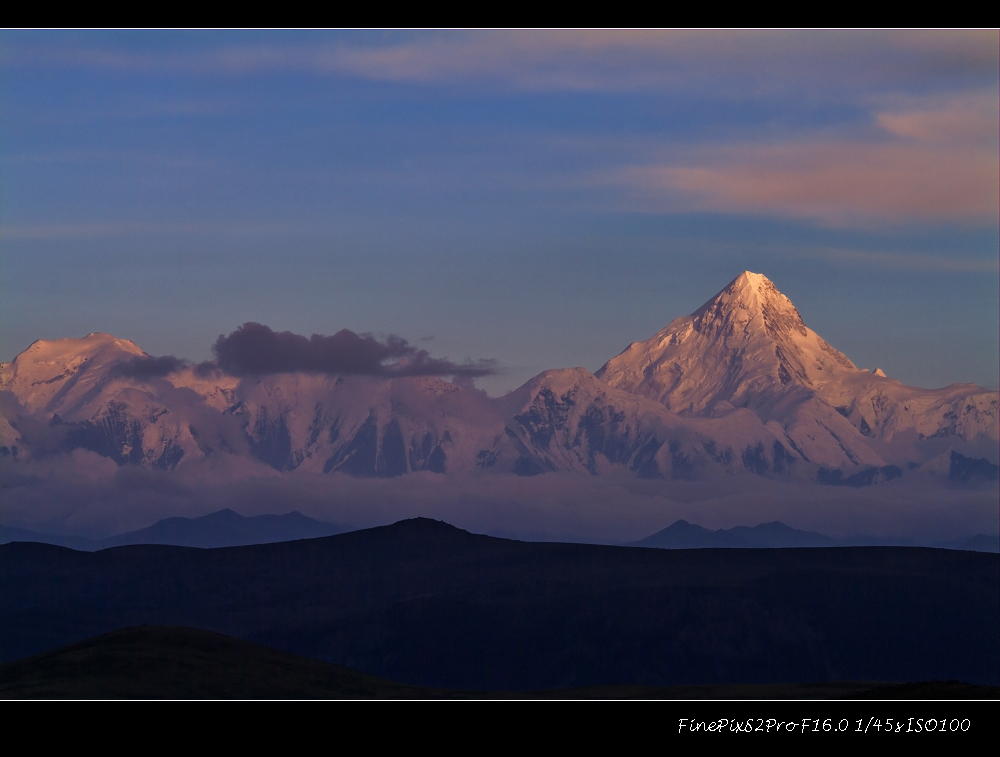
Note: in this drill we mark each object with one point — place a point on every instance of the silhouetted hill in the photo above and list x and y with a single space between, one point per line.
165 662
684 535
161 662
424 603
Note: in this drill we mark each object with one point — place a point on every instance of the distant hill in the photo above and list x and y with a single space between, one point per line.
80 543
774 535
977 543
982 543
224 528
684 535
427 604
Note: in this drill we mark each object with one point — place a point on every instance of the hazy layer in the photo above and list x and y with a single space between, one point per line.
89 495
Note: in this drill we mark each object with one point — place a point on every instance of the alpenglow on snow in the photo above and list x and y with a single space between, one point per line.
739 387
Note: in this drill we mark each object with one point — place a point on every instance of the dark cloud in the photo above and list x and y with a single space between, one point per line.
147 367
254 350
208 369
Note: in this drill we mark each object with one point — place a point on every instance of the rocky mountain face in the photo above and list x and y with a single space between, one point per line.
740 387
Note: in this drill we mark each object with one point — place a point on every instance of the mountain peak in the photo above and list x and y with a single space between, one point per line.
750 301
751 280
757 285
747 345
94 341
750 283
54 368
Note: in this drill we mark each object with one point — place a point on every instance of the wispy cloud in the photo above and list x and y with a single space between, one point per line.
38 232
942 261
899 261
925 157
934 160
966 118
134 157
837 183
575 60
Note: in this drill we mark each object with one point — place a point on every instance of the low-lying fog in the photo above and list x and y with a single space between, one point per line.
85 494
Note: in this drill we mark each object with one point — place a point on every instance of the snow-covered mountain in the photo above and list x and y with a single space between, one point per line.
570 420
73 393
749 347
740 387
363 425
69 393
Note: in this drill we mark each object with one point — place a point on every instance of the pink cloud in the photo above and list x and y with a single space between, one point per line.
972 117
837 182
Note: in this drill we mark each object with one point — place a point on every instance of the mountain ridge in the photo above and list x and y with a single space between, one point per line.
222 528
773 535
740 386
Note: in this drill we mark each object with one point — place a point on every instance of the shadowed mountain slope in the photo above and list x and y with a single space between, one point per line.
427 604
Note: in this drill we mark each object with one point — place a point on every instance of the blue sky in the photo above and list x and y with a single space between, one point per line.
540 198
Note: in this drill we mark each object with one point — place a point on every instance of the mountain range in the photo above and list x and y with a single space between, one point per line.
741 387
226 528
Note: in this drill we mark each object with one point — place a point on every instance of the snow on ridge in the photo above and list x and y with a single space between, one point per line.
740 385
